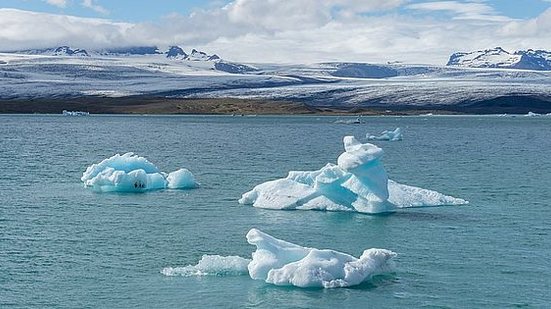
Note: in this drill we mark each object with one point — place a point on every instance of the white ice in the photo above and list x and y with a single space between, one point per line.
358 183
283 263
211 265
387 135
132 173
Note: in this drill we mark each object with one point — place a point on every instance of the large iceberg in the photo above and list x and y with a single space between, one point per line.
357 183
132 173
283 263
386 135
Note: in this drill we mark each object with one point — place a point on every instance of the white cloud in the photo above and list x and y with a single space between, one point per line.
58 3
297 31
461 10
92 5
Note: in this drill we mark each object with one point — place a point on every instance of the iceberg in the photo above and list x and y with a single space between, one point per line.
357 183
282 263
348 121
392 136
74 113
132 173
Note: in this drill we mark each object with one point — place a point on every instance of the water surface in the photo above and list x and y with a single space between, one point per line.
64 246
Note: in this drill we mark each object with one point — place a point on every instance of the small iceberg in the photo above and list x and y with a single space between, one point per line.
348 121
358 183
132 173
532 114
392 136
283 263
75 113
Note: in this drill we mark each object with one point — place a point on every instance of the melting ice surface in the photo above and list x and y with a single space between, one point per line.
393 136
211 265
357 183
283 263
132 173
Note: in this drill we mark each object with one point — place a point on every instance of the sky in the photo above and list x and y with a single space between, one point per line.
283 31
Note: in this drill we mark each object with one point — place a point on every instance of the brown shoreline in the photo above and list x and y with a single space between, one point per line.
218 106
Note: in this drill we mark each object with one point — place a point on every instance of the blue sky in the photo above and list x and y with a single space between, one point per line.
148 10
413 31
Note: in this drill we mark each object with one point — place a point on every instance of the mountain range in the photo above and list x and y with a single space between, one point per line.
490 81
499 58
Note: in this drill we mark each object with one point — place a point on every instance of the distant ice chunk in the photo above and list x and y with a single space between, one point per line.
283 263
348 121
132 173
358 183
74 113
211 265
532 114
392 136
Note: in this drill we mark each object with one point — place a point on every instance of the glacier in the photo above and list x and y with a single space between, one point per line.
386 135
357 183
282 263
132 173
132 74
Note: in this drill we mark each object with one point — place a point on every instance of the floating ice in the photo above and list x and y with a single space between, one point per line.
211 265
357 183
393 136
532 114
131 173
282 263
75 113
348 121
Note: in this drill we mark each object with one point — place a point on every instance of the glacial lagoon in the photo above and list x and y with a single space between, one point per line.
66 246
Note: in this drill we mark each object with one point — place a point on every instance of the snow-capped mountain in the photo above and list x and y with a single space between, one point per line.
173 52
57 51
500 58
201 56
176 52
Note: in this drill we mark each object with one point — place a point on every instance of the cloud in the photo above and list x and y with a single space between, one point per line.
305 31
92 5
19 30
461 10
58 3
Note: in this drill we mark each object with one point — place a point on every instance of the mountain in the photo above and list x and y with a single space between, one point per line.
173 73
173 52
499 58
201 56
176 52
57 51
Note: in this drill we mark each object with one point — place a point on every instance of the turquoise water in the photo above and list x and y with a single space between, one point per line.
64 246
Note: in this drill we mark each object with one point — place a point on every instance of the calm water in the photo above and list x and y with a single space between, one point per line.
64 246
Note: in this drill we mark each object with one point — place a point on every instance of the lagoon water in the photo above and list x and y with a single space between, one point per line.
64 246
